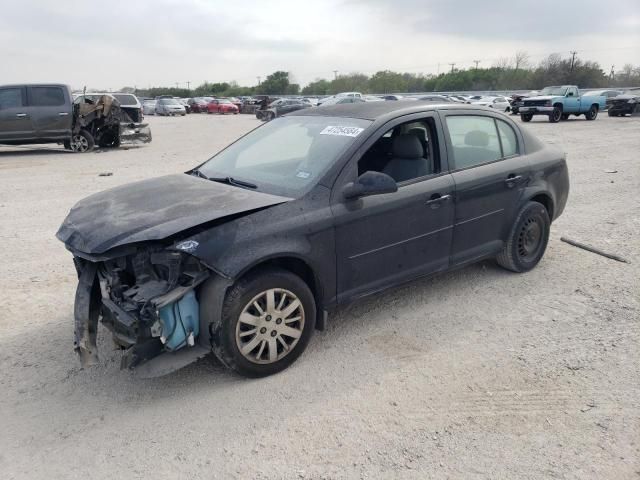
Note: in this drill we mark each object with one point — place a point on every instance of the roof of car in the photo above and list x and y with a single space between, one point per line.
375 110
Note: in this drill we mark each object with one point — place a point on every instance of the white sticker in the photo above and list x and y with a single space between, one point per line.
342 131
302 174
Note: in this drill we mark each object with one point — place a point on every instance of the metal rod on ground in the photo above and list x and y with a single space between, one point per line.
593 250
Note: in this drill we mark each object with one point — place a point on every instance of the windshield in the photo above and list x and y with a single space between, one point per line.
126 99
553 91
286 156
168 101
224 100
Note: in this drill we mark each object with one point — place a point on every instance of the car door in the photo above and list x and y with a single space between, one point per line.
50 110
15 122
490 175
572 101
382 240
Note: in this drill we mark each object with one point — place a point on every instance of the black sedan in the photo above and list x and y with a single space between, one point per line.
247 253
281 106
626 104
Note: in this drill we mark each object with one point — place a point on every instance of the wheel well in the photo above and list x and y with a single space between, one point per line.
596 105
559 105
546 201
297 267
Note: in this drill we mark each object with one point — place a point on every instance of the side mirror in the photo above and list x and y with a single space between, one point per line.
370 183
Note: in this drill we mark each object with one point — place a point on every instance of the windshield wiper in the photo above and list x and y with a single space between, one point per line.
198 173
233 181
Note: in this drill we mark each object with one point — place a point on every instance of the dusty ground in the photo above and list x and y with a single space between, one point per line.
479 373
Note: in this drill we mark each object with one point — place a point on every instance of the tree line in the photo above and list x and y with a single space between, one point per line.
516 73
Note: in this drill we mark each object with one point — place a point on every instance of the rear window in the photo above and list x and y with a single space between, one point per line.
126 99
10 97
47 96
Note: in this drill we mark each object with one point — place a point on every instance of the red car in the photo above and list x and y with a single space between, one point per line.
221 105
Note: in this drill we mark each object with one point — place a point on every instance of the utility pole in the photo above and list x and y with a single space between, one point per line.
335 74
476 62
612 74
573 59
188 85
452 66
177 85
258 80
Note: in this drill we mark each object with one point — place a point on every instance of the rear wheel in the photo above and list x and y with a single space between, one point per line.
526 117
556 115
527 240
267 320
592 113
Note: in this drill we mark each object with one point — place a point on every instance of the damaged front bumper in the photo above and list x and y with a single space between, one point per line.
146 299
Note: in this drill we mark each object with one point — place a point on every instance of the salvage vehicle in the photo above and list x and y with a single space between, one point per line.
280 107
500 103
149 107
626 104
558 103
47 113
169 107
221 106
245 255
199 104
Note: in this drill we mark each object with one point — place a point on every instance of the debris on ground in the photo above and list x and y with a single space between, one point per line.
594 250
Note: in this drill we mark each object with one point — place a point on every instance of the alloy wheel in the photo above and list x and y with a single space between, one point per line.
270 326
79 143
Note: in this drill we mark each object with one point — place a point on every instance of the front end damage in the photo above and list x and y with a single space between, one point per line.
111 124
146 299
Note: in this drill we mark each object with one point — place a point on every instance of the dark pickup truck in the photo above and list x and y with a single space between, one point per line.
46 113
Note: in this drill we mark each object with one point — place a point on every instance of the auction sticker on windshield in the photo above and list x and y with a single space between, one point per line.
342 131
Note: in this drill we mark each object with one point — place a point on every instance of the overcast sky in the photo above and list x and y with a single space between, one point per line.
115 43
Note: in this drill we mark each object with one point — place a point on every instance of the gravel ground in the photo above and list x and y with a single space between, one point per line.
477 373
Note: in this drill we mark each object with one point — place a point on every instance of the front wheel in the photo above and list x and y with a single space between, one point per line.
267 320
527 240
81 142
526 117
556 115
592 113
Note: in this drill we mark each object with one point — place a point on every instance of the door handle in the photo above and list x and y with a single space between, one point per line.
512 180
63 114
437 199
21 115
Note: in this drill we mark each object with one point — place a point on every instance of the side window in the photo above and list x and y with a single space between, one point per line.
10 97
405 152
508 139
47 96
474 140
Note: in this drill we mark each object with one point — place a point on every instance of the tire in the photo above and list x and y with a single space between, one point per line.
260 332
109 140
526 117
592 114
82 142
565 116
527 239
556 115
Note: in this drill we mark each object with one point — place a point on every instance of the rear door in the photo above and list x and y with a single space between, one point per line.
490 175
51 111
15 123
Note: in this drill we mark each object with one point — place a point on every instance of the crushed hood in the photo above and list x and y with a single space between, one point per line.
153 210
